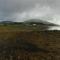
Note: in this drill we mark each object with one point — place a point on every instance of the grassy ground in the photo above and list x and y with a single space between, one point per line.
22 27
24 43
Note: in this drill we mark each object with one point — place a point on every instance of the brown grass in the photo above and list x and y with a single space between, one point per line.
48 40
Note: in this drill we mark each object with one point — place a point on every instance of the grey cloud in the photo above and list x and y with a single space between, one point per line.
21 5
10 7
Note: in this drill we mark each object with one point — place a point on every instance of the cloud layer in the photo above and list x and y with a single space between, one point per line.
21 10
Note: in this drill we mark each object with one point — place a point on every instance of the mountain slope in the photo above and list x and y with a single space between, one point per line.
38 21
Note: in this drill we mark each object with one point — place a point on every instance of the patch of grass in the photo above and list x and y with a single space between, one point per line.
48 40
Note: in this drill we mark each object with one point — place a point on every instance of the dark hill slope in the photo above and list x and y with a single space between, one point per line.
38 21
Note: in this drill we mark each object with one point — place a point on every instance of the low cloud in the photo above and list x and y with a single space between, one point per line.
37 12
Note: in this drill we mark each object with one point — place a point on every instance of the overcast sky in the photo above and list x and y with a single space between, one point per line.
21 10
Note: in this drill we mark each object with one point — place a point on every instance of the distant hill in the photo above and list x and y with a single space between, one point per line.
30 21
38 21
6 21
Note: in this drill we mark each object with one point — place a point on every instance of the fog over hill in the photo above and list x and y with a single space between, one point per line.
43 25
39 21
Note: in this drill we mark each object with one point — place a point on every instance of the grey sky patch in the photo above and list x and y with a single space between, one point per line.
20 10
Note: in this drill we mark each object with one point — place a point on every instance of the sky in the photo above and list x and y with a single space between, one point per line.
21 10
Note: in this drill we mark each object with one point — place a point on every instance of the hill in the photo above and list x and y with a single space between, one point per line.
38 21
